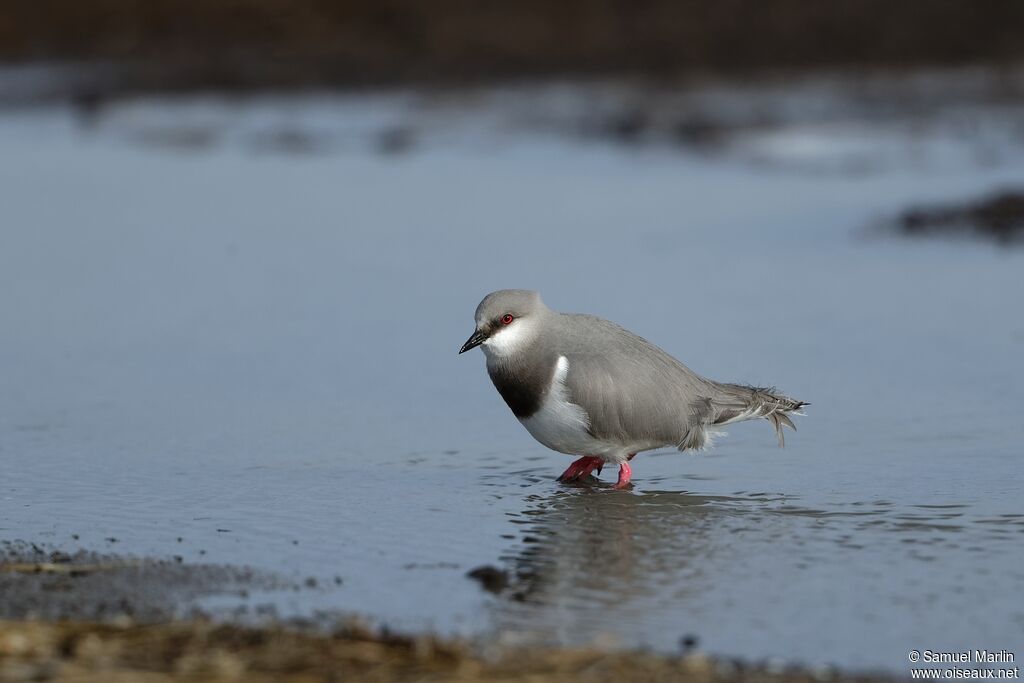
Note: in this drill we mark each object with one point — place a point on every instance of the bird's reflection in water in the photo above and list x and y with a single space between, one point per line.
594 561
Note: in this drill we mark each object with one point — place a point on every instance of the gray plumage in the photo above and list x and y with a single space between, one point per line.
630 391
629 386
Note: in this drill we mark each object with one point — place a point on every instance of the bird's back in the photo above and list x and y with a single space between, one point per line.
632 391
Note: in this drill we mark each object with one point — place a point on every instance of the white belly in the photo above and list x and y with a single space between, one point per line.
564 426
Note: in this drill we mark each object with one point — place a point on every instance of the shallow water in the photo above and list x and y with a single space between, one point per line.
247 355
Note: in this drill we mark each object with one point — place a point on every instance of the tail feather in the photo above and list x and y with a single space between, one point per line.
777 420
737 403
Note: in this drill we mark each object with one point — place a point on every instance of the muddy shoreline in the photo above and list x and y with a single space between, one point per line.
101 617
202 650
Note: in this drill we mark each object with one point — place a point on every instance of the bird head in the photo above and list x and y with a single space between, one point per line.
506 321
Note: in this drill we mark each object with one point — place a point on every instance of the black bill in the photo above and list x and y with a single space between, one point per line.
474 341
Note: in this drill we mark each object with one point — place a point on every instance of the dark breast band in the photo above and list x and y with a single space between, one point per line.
524 386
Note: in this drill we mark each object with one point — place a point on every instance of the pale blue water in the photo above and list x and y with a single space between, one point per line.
255 351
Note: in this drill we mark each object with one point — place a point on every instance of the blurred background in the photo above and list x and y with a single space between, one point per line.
241 242
260 43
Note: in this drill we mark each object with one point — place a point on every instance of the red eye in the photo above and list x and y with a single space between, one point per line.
507 319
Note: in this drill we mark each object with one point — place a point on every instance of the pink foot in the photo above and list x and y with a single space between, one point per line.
581 468
625 472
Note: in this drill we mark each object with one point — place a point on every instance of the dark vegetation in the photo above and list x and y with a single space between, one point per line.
998 216
281 43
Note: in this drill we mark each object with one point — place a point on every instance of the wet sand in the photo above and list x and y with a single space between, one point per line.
42 583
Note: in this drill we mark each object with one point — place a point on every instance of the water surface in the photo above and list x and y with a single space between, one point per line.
245 353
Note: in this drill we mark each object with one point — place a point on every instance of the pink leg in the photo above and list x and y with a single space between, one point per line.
581 468
625 472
